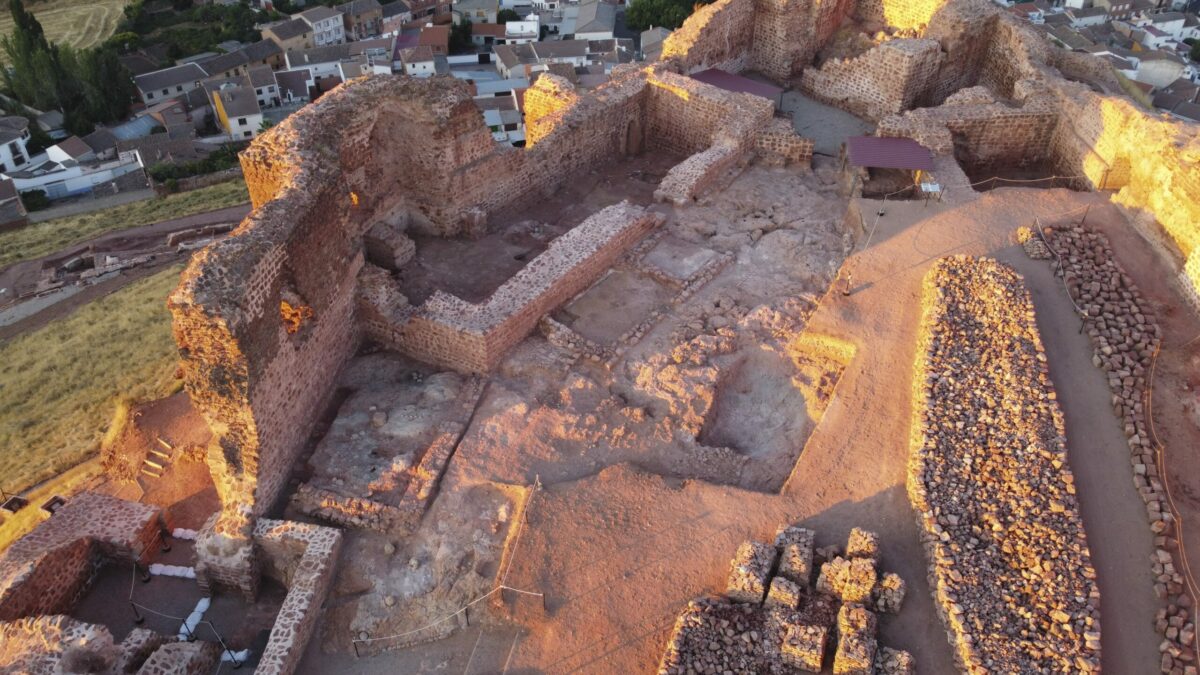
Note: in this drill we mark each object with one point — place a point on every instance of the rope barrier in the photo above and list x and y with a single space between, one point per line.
1193 589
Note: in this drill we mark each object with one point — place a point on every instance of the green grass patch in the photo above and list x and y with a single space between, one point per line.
39 239
59 385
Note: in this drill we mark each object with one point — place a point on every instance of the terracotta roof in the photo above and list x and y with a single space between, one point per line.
435 36
488 29
287 30
74 147
888 153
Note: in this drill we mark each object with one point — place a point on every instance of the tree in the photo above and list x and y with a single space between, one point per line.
642 14
506 15
264 125
88 85
1195 52
460 36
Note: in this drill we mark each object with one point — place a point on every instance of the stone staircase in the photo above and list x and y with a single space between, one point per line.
156 462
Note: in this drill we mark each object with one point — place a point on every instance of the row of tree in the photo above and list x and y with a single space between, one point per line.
644 14
89 86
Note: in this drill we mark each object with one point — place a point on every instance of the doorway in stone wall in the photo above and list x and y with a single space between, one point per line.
633 137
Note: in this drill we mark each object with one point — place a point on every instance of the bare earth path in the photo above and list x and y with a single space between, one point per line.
619 552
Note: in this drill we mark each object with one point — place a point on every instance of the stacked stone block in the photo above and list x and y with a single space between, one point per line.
750 572
804 647
795 546
851 580
791 630
856 640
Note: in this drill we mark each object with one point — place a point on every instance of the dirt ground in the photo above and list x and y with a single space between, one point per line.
628 524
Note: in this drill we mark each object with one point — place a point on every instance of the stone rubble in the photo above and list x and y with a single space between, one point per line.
988 478
1125 335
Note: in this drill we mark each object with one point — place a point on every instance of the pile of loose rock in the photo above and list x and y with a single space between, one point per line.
1125 336
995 500
775 621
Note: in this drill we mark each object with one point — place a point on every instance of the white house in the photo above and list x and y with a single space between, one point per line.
326 25
71 149
173 82
418 61
1090 16
58 181
14 134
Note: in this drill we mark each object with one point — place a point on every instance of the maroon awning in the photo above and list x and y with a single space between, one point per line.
873 152
742 85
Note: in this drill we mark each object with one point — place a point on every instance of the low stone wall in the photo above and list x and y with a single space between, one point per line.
452 333
777 144
49 569
305 557
1126 336
197 182
888 79
1009 564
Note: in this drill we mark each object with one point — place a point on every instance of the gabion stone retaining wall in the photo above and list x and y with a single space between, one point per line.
988 477
775 621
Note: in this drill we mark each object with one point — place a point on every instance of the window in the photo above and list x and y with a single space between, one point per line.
166 91
246 134
258 91
149 96
242 121
179 87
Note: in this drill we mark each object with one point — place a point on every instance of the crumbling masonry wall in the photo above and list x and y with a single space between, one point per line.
1009 563
717 35
49 569
900 15
889 78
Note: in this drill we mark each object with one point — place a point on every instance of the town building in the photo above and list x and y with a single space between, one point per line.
237 110
291 35
596 20
326 23
14 134
361 19
393 16
169 82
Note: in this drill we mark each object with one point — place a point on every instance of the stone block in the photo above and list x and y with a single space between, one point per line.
862 544
749 572
795 546
856 641
850 580
890 661
889 593
784 593
803 647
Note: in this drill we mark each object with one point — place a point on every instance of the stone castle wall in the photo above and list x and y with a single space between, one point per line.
900 15
717 35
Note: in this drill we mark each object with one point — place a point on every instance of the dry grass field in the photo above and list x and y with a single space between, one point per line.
59 385
78 23
46 237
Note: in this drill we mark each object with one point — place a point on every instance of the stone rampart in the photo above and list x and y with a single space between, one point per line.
1009 563
901 15
777 144
451 332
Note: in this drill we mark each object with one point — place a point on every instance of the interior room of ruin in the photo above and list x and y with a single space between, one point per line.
477 408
